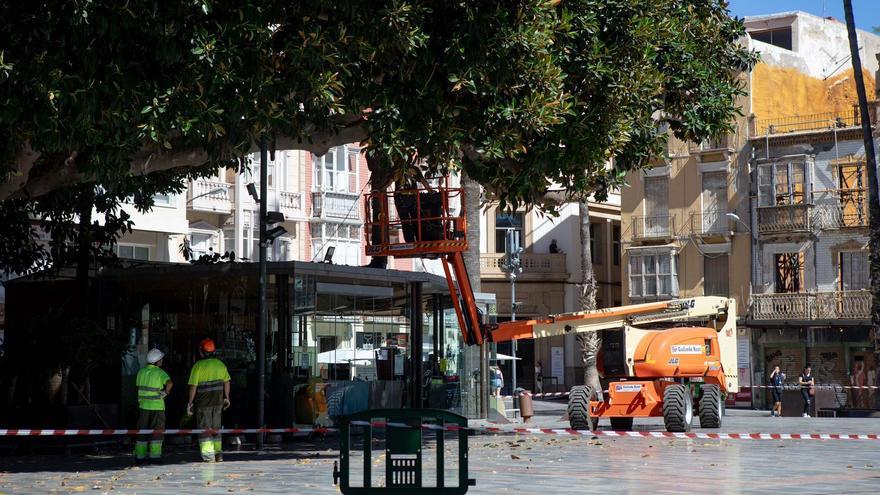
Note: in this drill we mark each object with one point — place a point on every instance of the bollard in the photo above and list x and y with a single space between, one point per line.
526 409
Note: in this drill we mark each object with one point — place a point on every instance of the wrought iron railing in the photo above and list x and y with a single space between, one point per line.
784 218
710 223
840 208
838 305
803 123
652 227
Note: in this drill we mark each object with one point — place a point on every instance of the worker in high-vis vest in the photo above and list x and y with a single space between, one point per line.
153 385
209 385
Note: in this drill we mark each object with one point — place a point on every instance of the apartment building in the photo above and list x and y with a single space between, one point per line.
782 195
811 299
549 281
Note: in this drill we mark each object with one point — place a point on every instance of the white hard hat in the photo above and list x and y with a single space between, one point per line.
154 356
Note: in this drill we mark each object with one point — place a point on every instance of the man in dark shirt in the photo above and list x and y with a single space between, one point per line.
777 378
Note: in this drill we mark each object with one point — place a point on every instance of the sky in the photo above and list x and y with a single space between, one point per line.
866 12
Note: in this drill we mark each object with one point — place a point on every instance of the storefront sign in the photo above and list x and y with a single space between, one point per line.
557 363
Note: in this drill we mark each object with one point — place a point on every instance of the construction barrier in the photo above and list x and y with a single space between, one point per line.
787 386
449 427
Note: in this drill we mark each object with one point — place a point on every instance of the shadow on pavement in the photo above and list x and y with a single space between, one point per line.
118 459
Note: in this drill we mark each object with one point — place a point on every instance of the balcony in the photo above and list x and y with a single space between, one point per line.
291 205
840 209
652 228
535 266
806 123
839 305
784 219
709 149
210 196
711 223
338 205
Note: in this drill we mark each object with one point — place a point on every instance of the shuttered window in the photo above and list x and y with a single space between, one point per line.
715 276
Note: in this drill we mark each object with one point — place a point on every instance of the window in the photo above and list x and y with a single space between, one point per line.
652 275
615 245
162 200
335 171
129 251
778 37
596 243
505 221
715 276
656 206
851 190
254 174
714 201
200 243
335 230
789 275
229 241
326 344
781 184
854 270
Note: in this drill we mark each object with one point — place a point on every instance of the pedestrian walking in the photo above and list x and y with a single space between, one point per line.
777 378
539 378
209 386
153 385
497 380
808 390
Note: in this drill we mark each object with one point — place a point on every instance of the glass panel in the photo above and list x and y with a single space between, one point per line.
635 265
782 191
650 285
765 185
650 265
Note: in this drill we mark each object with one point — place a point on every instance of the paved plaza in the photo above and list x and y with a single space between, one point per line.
522 464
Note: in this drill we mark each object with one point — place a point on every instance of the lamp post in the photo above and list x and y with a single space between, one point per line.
513 266
262 317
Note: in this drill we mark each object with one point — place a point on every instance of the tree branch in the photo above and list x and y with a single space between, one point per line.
152 158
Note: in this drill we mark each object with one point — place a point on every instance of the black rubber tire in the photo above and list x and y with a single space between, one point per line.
579 408
710 406
621 424
678 408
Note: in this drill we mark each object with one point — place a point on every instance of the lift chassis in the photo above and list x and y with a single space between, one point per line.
662 359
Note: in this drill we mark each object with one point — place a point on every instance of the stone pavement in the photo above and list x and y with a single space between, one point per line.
507 464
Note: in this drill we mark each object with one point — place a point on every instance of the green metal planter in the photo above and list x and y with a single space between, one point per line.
404 438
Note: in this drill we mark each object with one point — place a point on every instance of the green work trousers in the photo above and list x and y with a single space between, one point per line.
210 445
149 420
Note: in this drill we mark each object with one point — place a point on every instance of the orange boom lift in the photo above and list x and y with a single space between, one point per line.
664 359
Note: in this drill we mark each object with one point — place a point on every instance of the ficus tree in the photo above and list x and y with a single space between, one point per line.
524 96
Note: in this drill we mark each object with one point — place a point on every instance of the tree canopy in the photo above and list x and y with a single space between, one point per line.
523 95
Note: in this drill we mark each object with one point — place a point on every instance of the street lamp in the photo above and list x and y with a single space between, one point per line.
736 218
212 191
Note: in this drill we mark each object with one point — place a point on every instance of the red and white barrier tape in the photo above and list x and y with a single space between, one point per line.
692 435
225 431
449 427
788 386
541 395
794 386
636 434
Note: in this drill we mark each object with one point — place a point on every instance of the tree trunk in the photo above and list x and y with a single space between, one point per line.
873 192
471 257
589 342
